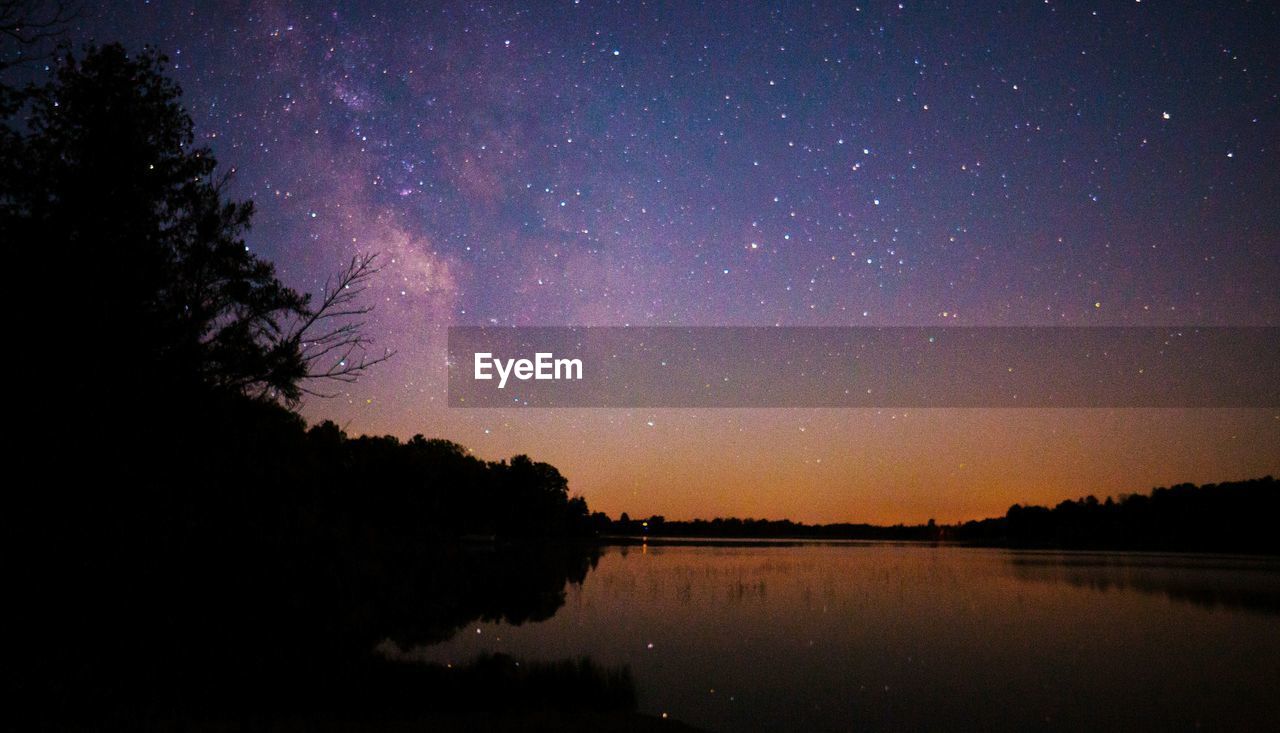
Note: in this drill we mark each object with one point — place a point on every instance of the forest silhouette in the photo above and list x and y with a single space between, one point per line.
1236 516
186 547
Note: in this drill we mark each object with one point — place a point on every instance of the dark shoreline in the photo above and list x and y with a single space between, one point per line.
680 541
1233 517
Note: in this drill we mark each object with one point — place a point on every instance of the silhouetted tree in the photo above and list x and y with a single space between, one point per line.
1228 517
29 27
330 337
154 281
250 563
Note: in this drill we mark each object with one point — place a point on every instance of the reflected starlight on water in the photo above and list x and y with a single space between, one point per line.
814 636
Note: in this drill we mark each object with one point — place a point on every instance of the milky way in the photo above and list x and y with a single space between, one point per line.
640 163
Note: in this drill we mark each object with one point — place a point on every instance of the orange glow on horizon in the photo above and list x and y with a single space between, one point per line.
875 466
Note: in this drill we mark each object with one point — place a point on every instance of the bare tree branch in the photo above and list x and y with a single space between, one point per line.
26 26
330 338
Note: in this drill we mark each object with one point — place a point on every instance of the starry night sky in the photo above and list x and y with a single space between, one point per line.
583 163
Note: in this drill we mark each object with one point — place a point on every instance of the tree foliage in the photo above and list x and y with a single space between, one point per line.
149 315
105 184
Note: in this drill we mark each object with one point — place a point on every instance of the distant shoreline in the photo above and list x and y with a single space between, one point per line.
1229 518
677 541
635 540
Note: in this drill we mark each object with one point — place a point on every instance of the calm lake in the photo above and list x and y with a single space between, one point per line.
891 637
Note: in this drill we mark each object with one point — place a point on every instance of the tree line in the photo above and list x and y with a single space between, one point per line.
185 545
1233 516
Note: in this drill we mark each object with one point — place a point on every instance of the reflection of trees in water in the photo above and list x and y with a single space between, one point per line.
500 683
195 552
426 599
461 584
282 636
464 584
1247 584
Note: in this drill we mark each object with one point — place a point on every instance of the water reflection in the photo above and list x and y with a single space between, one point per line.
873 637
1243 583
273 642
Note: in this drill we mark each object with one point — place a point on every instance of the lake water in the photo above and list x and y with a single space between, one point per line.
888 637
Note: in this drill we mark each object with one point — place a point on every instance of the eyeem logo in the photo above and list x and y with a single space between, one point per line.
544 365
866 366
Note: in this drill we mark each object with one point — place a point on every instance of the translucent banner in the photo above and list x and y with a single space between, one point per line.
864 367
